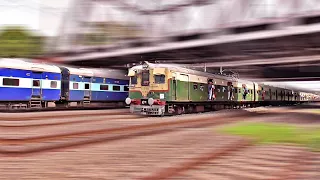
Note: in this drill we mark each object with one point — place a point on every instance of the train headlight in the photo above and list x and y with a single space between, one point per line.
128 101
150 101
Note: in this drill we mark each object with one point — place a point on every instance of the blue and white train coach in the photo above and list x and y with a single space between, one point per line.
24 84
83 86
109 85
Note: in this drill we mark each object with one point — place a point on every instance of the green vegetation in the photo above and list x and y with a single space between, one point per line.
18 42
276 133
315 111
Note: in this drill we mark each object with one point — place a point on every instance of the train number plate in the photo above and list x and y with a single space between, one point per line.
144 102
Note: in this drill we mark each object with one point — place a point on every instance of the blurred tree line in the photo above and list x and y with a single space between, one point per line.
19 42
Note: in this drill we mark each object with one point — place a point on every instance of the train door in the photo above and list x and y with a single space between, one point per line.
87 88
270 93
37 85
174 89
254 92
276 94
184 88
65 83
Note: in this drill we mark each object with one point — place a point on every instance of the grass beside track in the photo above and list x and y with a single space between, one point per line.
315 111
264 133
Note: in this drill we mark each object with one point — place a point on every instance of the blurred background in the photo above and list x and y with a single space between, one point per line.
261 40
275 42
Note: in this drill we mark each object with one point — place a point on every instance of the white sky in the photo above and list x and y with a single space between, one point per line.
39 15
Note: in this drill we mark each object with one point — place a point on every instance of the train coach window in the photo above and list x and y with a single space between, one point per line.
159 79
195 86
53 84
126 88
36 83
218 88
134 80
87 86
104 87
201 87
75 86
116 88
10 82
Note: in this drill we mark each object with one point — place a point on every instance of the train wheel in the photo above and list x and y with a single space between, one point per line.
190 109
179 110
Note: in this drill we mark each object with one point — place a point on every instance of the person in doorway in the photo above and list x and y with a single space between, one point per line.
210 89
245 92
230 92
213 94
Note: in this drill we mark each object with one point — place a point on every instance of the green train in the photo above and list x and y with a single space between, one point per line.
159 89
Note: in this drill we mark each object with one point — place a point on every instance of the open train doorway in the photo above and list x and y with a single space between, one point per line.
211 88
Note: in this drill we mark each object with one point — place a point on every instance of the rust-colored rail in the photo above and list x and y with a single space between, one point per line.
172 171
50 116
64 121
203 121
104 134
290 171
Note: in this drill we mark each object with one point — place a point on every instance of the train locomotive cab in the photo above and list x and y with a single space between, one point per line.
148 90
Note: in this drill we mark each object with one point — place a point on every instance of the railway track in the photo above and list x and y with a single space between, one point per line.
32 140
62 121
181 147
254 162
60 114
71 108
189 154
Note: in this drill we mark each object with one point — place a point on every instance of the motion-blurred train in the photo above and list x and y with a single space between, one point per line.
24 85
158 89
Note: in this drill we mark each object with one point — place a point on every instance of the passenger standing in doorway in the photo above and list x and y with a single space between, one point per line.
230 92
210 90
213 95
245 92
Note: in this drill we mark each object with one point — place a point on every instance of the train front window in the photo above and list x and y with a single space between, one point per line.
145 78
134 79
159 79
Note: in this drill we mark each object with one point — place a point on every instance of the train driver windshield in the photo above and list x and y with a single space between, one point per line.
145 78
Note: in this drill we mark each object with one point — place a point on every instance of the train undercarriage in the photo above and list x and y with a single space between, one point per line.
177 108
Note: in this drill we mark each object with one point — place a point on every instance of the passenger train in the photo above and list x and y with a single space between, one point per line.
159 89
24 84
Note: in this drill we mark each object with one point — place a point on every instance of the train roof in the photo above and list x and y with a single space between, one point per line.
183 69
108 73
79 71
26 64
